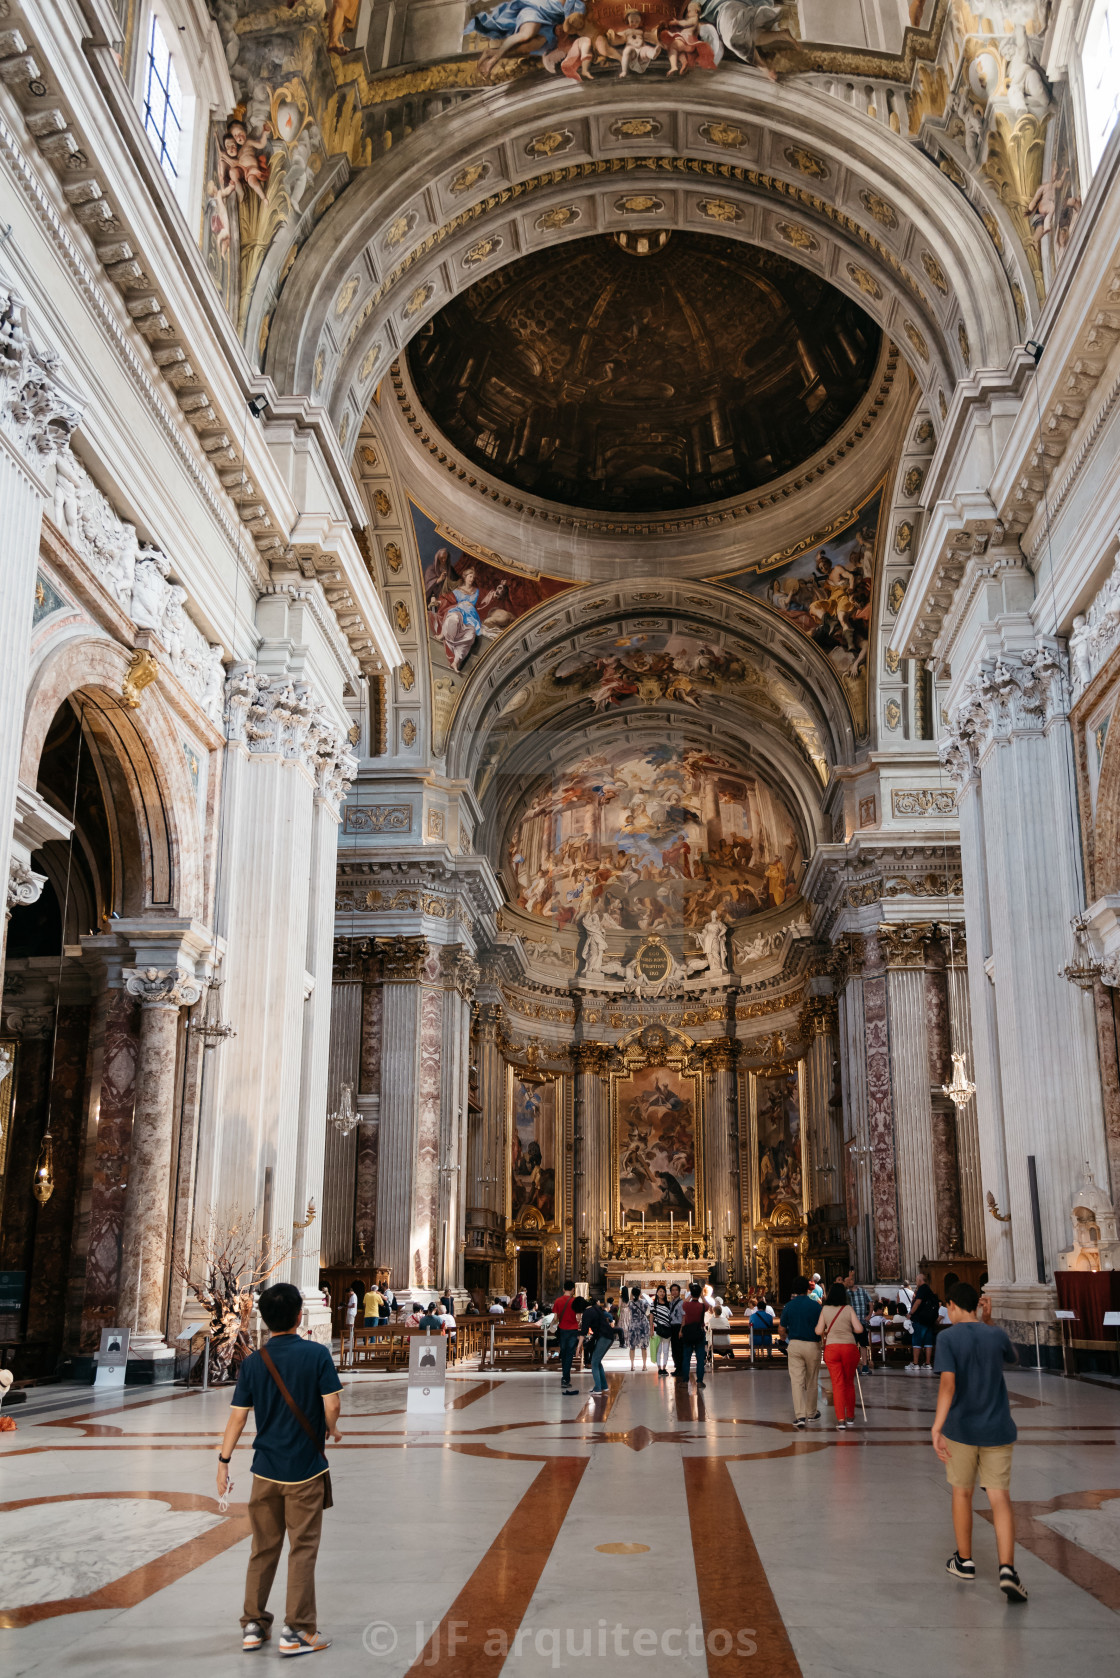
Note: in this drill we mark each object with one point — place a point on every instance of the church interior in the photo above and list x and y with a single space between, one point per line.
557 650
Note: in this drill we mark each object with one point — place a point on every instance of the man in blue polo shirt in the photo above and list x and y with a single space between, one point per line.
803 1351
289 1467
973 1432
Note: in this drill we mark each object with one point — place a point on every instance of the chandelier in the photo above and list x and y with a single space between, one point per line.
961 1090
344 1118
1086 967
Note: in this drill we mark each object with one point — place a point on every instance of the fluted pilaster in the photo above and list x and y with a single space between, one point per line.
402 966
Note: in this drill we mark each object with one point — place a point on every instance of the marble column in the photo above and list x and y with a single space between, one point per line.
369 1105
946 1164
904 949
114 1098
880 1118
460 975
340 1153
591 1172
973 1232
721 1164
823 1142
261 1139
852 1031
1010 751
424 1234
486 1159
144 1240
403 961
37 416
310 1138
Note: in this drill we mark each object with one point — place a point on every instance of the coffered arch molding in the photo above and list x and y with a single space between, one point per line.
733 155
579 620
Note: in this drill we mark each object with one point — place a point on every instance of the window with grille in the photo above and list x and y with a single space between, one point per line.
163 103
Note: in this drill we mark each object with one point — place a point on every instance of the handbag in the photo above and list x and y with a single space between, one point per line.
319 1444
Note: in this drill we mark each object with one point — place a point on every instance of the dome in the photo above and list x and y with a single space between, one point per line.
630 376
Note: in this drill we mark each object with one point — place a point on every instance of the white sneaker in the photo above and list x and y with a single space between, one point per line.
911 1369
927 1369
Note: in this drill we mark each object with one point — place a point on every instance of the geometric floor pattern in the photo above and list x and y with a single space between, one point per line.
652 1531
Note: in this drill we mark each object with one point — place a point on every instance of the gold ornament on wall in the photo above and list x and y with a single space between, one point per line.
799 237
399 230
962 340
400 613
718 209
723 134
408 732
346 296
866 282
636 128
142 672
470 176
369 362
420 297
896 594
562 215
903 536
935 271
878 208
1016 151
407 677
912 482
480 250
916 339
382 503
892 714
393 556
892 660
807 162
550 144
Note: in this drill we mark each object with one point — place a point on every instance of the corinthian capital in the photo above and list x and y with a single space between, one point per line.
36 410
1012 697
162 987
402 959
905 943
459 970
23 886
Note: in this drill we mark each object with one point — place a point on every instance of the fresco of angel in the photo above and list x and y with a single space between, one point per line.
528 28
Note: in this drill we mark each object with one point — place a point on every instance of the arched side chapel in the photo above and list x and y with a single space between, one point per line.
559 626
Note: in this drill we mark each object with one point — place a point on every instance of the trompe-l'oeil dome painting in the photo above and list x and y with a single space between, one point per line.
644 372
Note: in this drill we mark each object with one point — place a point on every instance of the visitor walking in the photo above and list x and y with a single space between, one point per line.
973 1433
860 1301
694 1310
567 1311
837 1327
662 1315
803 1352
924 1307
351 1313
599 1329
293 1389
676 1308
623 1318
637 1327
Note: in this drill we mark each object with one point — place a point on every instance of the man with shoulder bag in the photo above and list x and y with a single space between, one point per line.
293 1388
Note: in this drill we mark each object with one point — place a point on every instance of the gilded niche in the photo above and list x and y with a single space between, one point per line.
641 383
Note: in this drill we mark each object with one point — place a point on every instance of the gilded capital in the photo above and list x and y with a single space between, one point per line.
819 1017
721 1055
161 987
591 1057
458 970
402 959
905 943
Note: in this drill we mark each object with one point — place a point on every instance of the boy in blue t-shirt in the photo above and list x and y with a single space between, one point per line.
289 1467
973 1433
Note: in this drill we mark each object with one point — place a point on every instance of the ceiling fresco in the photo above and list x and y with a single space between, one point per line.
653 838
469 601
826 588
598 378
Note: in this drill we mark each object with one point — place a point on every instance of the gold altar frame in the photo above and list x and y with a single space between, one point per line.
532 1229
679 1061
778 1229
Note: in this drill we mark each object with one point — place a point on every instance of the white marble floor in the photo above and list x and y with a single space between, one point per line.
525 1533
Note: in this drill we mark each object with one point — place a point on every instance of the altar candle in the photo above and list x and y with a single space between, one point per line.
670 1223
643 1217
690 1220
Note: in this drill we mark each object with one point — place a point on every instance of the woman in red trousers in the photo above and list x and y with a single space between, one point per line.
837 1327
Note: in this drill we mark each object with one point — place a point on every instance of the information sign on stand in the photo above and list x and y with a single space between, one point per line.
427 1371
111 1357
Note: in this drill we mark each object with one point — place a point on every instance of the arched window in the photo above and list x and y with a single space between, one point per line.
163 103
1100 75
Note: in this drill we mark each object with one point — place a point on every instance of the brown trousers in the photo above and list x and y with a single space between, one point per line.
276 1506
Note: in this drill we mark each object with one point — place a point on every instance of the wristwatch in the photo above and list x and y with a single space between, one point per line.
224 1459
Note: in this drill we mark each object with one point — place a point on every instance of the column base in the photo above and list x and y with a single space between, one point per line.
151 1363
1020 1307
316 1323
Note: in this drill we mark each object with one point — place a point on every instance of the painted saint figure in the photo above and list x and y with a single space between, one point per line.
527 28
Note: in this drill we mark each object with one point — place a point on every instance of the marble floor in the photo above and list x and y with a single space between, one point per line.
525 1533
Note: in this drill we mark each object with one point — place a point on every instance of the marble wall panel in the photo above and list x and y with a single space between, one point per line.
110 1166
425 1211
880 1115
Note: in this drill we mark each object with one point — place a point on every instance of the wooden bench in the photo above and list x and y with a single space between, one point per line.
513 1346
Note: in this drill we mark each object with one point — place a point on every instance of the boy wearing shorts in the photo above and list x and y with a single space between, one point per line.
973 1433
